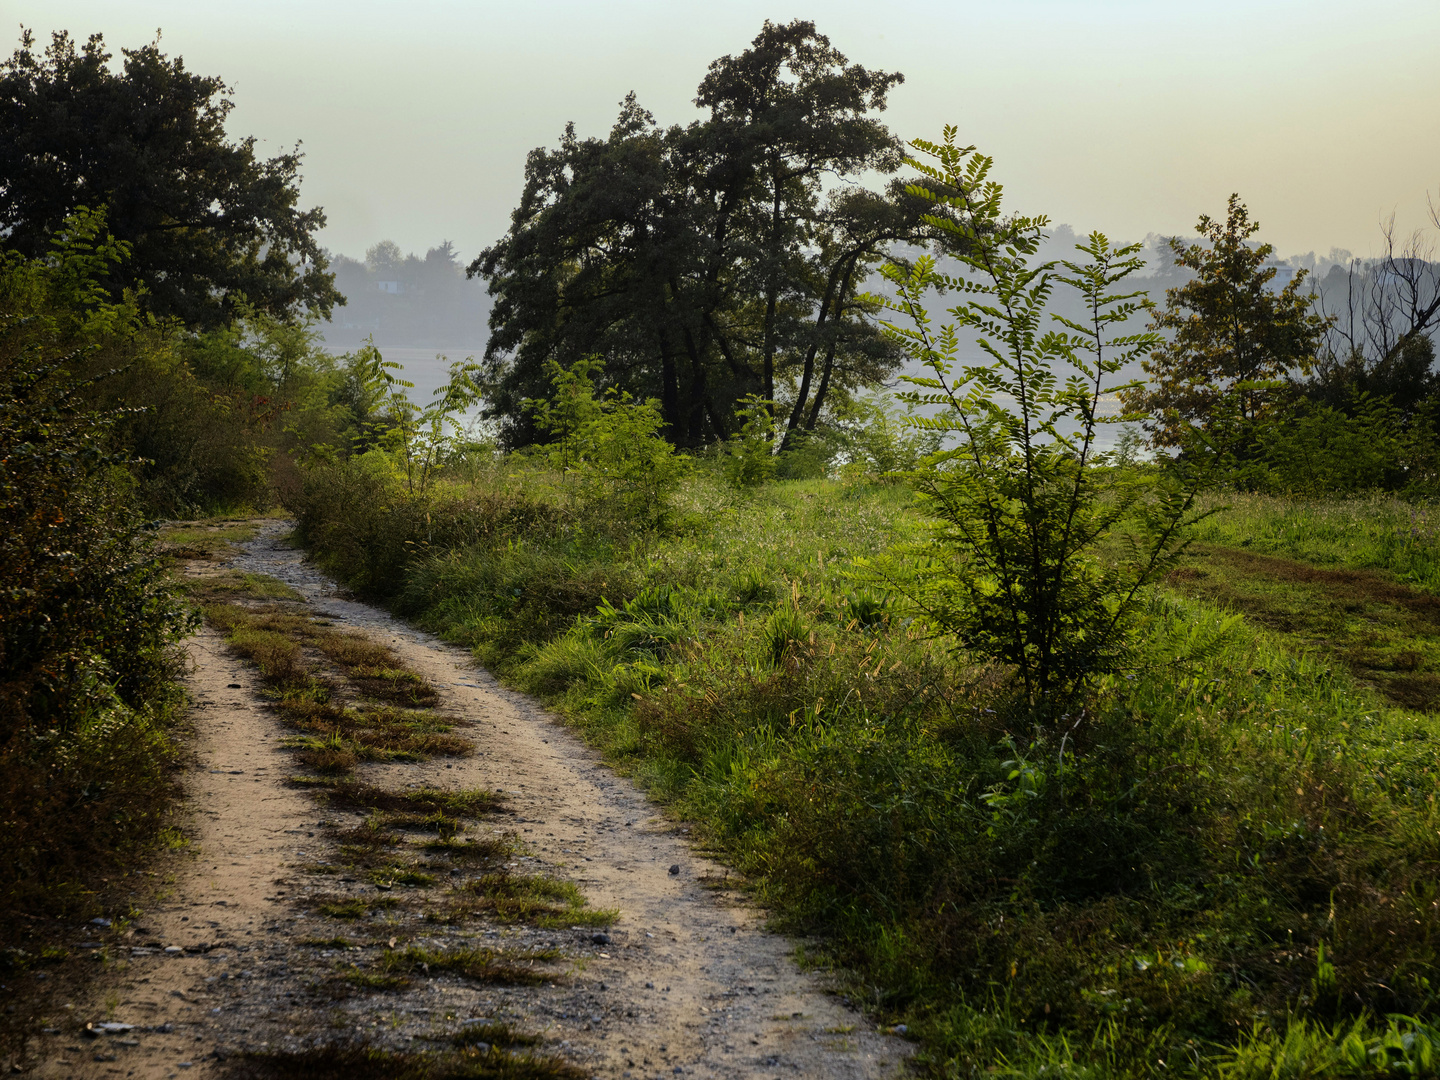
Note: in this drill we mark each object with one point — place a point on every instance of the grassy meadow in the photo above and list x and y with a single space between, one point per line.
1225 862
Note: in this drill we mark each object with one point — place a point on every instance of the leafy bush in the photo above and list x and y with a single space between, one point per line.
88 619
1315 450
750 453
874 437
610 448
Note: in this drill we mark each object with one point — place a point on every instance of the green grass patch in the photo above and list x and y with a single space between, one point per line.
533 898
473 849
227 586
334 738
463 803
1381 532
401 875
204 541
502 967
1384 633
379 981
1226 858
360 1063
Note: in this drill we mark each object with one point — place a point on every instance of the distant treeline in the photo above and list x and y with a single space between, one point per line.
407 300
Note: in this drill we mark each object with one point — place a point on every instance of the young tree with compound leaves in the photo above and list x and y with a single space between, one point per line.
212 229
1012 566
1232 336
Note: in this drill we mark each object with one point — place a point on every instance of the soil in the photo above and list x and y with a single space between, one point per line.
686 982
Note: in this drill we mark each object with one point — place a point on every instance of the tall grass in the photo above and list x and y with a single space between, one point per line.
1225 862
1375 532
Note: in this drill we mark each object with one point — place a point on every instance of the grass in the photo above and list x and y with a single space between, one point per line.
378 982
362 1063
1381 533
203 540
348 907
470 802
389 723
1385 634
500 967
532 898
230 584
1225 863
473 848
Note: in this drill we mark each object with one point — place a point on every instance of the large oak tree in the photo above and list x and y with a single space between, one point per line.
212 228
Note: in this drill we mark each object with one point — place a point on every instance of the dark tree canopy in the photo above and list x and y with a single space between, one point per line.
212 228
708 262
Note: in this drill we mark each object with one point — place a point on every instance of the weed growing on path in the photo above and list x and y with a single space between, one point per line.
359 1063
503 967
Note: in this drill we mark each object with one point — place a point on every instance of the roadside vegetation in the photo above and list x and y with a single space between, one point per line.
1069 760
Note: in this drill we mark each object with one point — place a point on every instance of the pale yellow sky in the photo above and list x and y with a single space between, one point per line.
1124 116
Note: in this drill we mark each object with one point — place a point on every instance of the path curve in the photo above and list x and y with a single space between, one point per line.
689 983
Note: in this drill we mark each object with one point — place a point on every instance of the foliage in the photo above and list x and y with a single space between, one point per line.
1382 314
750 451
875 438
88 619
420 439
211 228
1221 862
1012 567
707 263
1403 375
1232 337
1312 450
609 448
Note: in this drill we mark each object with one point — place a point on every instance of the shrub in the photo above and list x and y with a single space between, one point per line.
750 453
1315 450
622 471
88 620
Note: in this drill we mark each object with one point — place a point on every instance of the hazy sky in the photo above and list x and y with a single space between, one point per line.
1130 117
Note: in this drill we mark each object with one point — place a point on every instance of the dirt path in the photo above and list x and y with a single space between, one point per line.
686 982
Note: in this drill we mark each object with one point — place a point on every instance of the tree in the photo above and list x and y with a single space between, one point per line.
211 228
1232 335
708 263
1012 566
1382 313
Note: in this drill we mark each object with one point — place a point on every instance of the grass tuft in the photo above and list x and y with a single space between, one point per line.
498 966
464 803
363 1063
544 901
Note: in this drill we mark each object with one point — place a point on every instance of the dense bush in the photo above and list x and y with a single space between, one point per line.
88 619
610 449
